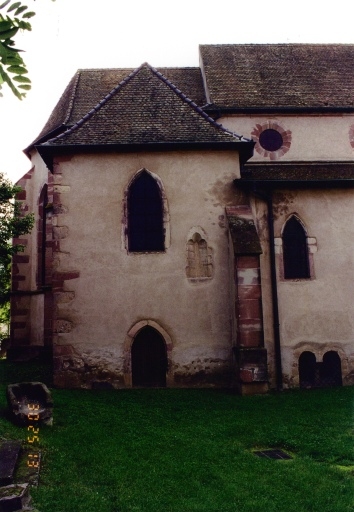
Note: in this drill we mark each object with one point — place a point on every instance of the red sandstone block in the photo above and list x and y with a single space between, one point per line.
20 241
249 291
238 211
21 195
63 350
20 258
249 324
250 338
57 285
249 308
18 325
15 311
56 198
65 276
246 375
247 262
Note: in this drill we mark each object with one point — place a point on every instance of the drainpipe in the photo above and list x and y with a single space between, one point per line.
268 197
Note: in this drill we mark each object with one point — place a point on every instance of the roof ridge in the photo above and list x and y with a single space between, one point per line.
72 97
191 103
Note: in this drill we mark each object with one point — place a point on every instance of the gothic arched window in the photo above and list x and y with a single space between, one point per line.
295 251
145 215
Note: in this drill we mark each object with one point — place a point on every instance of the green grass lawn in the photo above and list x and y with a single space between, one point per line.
184 450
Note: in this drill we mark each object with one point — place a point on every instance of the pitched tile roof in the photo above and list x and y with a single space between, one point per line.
89 86
145 108
279 75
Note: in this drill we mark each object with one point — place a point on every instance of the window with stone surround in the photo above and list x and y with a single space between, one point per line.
145 215
325 373
295 250
295 253
199 258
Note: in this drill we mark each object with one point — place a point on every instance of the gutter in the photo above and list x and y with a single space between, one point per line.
217 112
268 197
48 152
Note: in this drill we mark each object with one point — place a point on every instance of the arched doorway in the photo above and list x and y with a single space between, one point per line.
331 371
149 359
307 369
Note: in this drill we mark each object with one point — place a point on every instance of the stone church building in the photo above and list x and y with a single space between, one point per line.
194 226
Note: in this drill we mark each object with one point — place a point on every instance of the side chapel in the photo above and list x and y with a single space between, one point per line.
194 226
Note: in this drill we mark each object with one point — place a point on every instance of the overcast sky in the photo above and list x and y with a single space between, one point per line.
72 34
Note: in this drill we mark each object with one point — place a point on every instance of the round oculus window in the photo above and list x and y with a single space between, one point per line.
270 139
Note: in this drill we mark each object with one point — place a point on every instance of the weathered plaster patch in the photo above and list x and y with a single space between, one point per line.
282 202
60 232
63 326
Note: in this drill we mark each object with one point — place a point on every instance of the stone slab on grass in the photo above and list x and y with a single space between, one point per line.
9 454
14 497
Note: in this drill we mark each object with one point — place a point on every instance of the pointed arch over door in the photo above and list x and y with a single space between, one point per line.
149 358
295 250
145 215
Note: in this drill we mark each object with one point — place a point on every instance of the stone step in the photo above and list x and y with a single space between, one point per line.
9 454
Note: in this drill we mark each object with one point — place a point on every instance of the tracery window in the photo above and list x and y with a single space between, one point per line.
199 258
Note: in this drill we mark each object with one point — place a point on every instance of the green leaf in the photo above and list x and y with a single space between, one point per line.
22 79
5 25
7 34
21 9
14 59
25 86
24 25
29 14
18 70
4 4
4 52
14 6
9 82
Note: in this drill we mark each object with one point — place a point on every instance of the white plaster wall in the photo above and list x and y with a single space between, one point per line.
319 312
314 137
33 189
116 289
33 303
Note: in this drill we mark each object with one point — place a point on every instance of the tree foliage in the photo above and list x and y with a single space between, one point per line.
13 223
13 71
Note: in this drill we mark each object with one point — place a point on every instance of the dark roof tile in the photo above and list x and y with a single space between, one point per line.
144 108
279 75
89 86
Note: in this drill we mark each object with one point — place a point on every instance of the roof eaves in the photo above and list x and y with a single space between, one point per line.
48 152
220 111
